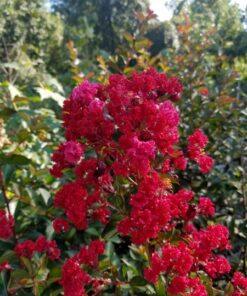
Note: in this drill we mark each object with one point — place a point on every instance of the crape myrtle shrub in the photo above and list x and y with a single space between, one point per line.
213 95
125 223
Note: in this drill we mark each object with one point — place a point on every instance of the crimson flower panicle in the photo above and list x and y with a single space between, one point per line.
7 224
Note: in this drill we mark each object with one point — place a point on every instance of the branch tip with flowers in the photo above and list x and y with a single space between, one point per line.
122 159
122 138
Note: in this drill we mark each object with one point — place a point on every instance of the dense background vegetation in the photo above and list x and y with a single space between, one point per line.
47 48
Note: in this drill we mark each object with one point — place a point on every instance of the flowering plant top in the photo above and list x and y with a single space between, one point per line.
121 160
122 143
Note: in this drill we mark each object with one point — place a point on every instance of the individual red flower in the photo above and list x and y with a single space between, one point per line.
60 225
175 259
239 280
240 284
74 279
217 266
180 163
72 197
198 140
196 144
206 206
152 273
52 251
187 286
89 255
105 182
212 238
6 225
41 245
178 285
102 214
72 152
196 288
166 166
5 266
66 155
25 249
205 163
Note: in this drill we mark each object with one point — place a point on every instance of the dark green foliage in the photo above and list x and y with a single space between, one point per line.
29 36
101 23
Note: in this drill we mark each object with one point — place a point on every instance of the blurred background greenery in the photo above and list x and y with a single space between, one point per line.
47 48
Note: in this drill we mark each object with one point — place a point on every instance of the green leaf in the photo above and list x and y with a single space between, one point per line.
3 285
207 283
14 91
229 289
138 281
8 171
160 288
42 274
104 264
28 264
9 256
45 195
15 159
55 272
92 231
19 278
45 93
128 37
12 65
143 43
5 113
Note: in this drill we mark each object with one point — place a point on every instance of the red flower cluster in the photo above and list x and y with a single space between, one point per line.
206 240
150 211
74 278
122 139
217 266
197 143
6 225
76 202
174 260
178 261
41 245
155 209
240 284
187 286
124 125
206 206
89 255
72 197
67 155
